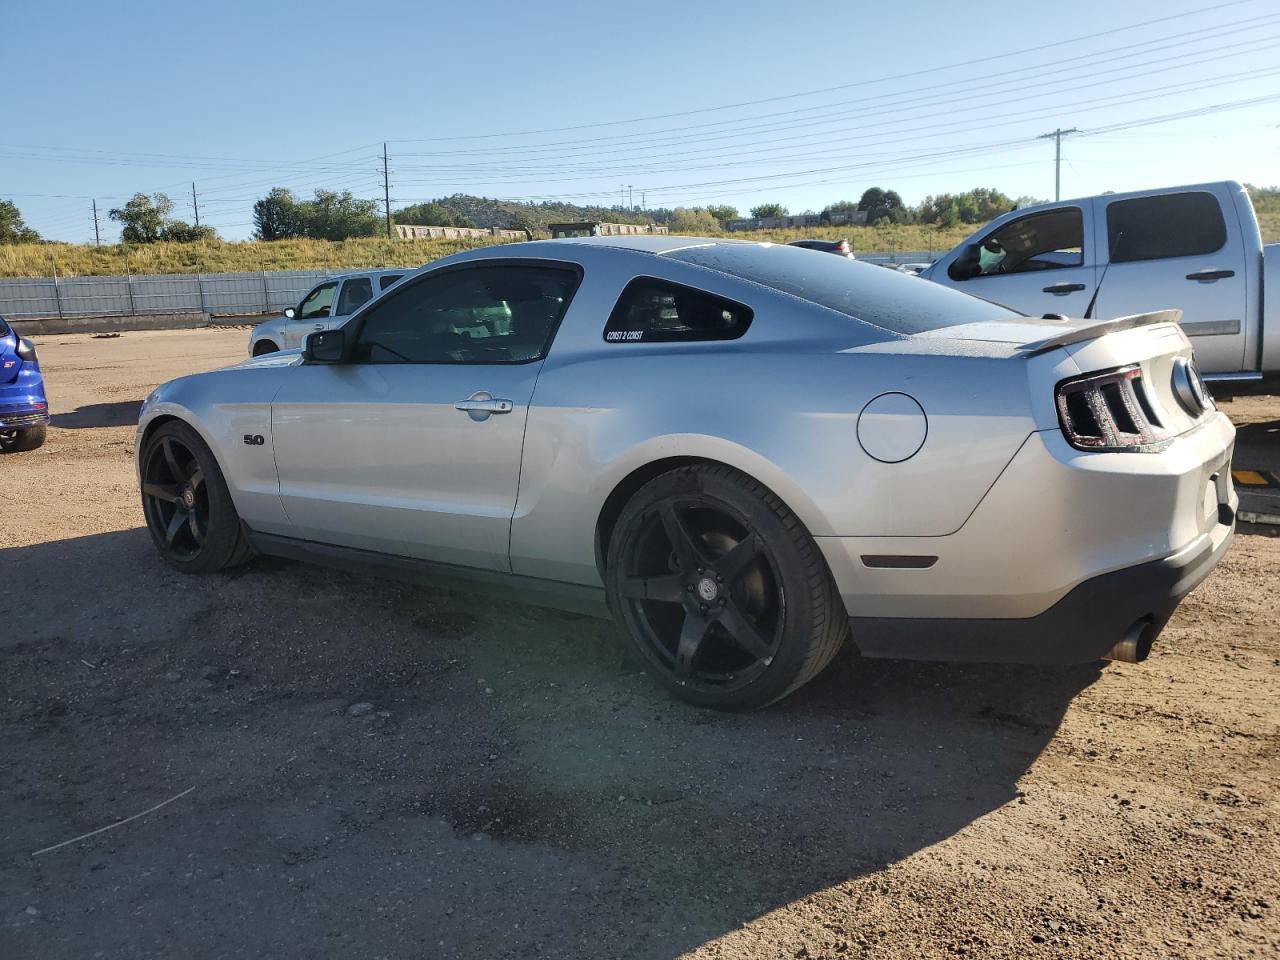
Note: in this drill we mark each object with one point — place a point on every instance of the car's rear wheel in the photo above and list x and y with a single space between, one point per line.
186 503
17 441
721 590
264 346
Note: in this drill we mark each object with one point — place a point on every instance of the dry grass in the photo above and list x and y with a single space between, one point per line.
73 260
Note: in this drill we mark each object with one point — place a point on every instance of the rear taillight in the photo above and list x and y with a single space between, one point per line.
26 350
1110 411
842 246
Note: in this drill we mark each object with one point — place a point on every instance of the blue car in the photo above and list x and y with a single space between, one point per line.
24 410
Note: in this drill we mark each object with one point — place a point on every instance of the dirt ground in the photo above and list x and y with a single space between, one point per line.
516 790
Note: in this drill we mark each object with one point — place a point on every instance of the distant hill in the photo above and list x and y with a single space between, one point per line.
513 215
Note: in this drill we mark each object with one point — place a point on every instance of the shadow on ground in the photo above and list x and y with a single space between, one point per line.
119 413
514 789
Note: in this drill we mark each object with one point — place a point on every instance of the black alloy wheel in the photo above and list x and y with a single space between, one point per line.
721 590
176 498
186 503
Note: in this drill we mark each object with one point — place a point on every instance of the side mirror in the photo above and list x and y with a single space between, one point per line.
327 346
967 265
289 313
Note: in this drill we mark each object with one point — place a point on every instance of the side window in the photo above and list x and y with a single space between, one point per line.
355 292
1040 241
318 302
493 314
1171 225
655 311
388 280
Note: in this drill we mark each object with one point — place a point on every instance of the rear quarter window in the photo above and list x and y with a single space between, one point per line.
1165 226
885 298
657 311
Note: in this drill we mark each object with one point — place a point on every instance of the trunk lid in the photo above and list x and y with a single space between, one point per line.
1164 382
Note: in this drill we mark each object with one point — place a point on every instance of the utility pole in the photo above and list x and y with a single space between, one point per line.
195 203
386 188
1057 136
631 197
97 236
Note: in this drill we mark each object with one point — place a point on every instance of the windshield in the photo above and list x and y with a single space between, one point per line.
885 298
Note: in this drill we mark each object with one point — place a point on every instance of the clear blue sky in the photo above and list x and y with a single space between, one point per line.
102 100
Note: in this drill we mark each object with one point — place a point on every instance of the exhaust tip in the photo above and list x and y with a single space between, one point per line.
1136 644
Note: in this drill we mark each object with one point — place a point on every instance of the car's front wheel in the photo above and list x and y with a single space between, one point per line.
187 504
721 590
17 441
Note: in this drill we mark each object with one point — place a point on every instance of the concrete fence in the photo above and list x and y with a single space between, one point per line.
139 295
217 294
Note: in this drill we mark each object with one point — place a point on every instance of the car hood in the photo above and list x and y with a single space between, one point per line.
281 358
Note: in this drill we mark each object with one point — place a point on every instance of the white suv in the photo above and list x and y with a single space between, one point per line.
326 306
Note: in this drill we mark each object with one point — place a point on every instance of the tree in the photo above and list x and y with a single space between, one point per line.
329 216
337 216
696 221
432 214
842 211
12 228
976 206
880 204
143 217
766 210
723 212
275 216
146 220
178 231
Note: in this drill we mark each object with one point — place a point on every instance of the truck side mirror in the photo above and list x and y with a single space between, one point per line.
967 265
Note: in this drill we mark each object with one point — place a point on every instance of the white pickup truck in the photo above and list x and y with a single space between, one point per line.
1194 248
326 305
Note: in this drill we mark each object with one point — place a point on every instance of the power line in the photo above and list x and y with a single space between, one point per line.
983 83
843 86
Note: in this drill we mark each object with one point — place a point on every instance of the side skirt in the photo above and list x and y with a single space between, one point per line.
572 597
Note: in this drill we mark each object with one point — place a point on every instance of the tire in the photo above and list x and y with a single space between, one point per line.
187 505
720 589
19 441
264 346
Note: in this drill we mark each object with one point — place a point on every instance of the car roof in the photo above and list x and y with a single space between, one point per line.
656 243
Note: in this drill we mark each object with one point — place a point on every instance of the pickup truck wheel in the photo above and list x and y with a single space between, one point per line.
264 346
187 505
18 441
720 589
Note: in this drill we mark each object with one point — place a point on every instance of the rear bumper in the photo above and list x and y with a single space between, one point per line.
1083 626
20 418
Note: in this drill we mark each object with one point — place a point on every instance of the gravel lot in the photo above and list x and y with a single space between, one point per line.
514 789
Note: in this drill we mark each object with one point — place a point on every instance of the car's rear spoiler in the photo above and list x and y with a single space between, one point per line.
1090 331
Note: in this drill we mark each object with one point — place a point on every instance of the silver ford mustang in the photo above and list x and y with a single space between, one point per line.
742 451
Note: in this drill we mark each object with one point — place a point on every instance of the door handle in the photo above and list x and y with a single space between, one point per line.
481 405
318 326
1208 275
1062 289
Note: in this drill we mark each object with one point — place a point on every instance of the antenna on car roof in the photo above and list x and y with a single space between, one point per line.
1115 245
